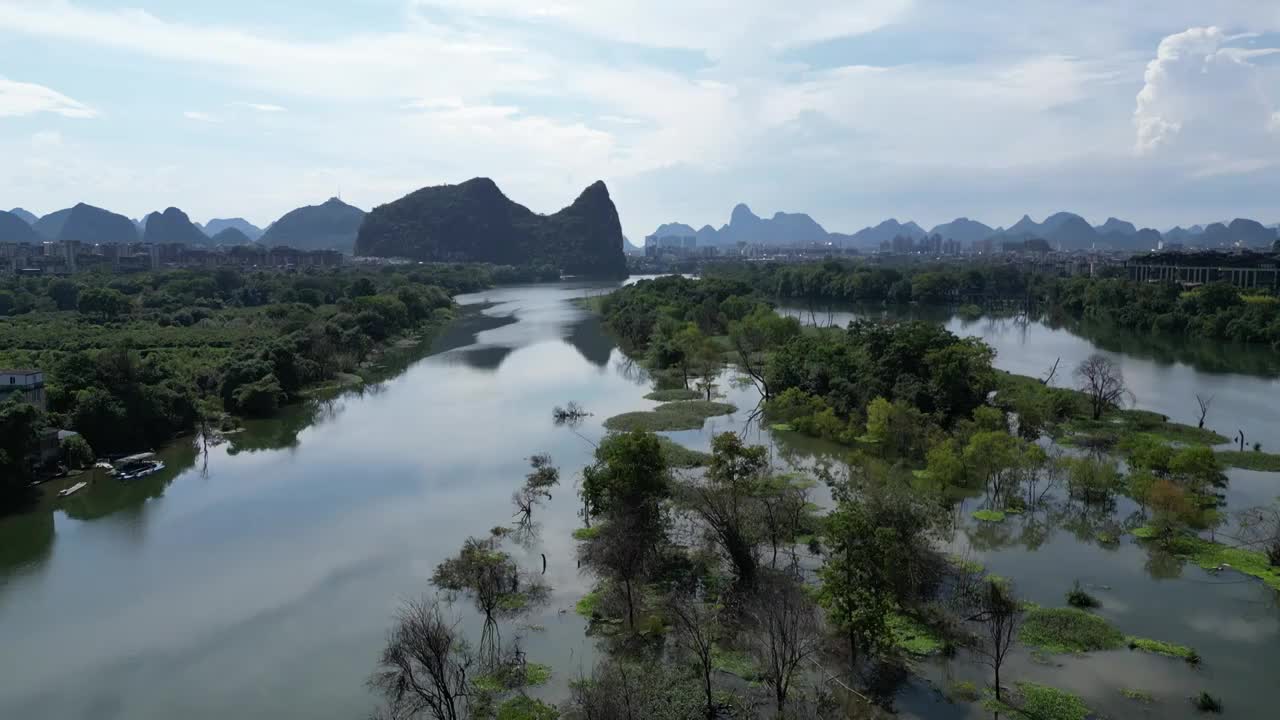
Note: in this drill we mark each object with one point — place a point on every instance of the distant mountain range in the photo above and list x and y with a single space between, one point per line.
217 225
15 228
27 217
1064 230
172 227
474 221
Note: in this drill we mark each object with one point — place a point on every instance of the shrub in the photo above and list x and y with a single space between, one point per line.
1078 598
1069 630
1205 702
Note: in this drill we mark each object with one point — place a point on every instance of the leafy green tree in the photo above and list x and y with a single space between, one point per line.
628 476
76 452
856 590
756 334
105 303
726 502
21 425
260 398
65 294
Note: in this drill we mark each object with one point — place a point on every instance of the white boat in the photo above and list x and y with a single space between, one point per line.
73 489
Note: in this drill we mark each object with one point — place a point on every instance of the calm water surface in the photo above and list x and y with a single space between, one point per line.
259 581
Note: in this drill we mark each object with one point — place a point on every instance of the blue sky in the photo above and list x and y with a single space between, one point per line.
1159 111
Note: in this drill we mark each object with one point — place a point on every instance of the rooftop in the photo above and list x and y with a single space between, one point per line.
6 371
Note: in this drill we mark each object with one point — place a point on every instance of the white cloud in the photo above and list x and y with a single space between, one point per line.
200 116
1209 102
262 107
19 98
719 27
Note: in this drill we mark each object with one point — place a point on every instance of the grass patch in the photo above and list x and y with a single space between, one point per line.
1260 461
991 516
589 605
735 663
679 456
965 691
1163 648
1210 555
1121 425
782 427
1068 630
1141 696
1042 702
689 415
913 637
526 708
1146 532
674 395
509 678
967 565
586 533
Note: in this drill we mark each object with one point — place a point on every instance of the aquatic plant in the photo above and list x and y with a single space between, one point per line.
689 415
991 516
1141 696
673 395
1205 702
1078 598
1069 630
1163 648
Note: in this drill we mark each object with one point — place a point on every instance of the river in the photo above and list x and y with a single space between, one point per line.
259 580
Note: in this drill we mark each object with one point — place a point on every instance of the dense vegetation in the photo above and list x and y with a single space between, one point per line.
475 222
132 361
1216 311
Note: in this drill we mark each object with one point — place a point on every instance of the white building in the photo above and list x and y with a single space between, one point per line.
28 382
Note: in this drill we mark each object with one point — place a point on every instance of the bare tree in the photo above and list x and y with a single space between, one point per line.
624 550
1052 372
786 632
1204 403
1000 615
1102 380
696 622
424 667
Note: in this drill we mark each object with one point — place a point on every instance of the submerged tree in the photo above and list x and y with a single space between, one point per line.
1102 380
537 487
785 632
726 501
425 667
695 620
482 571
999 615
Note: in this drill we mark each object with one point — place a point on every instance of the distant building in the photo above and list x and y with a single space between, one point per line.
30 383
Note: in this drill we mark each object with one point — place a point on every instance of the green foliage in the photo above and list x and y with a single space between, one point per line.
20 428
1205 702
77 453
629 474
1141 696
735 662
135 357
1258 461
913 637
1068 630
588 605
1163 648
678 456
1212 555
1041 702
990 516
964 691
688 415
1078 598
673 395
586 533
525 708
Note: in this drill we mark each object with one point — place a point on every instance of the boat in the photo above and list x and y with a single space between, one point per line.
139 469
66 492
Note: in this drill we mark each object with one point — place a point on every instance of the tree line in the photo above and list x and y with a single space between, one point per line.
132 361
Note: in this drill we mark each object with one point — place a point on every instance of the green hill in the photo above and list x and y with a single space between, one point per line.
475 222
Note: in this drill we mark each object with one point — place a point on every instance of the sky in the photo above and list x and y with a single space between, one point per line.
1161 112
